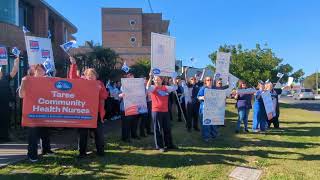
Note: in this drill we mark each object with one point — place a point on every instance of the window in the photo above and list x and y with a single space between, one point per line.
65 34
26 15
8 11
132 22
51 27
133 39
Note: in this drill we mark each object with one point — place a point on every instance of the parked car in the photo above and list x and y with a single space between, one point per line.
304 94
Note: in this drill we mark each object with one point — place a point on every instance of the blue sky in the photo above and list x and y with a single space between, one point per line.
290 27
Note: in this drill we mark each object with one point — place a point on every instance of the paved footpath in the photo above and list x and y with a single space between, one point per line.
13 152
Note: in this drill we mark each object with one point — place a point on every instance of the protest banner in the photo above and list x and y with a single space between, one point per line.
222 66
163 54
246 91
214 107
134 96
3 55
58 102
38 50
268 104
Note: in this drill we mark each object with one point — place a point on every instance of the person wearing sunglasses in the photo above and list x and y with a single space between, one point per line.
208 131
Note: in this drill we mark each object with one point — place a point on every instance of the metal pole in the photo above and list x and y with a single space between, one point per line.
317 81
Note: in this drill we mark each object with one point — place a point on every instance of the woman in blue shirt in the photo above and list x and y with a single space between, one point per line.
260 117
208 131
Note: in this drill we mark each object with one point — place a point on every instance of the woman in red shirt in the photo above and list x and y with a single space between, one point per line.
91 74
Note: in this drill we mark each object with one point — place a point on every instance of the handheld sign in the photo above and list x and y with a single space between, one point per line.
3 55
38 49
222 66
214 107
15 51
58 102
135 96
268 104
163 54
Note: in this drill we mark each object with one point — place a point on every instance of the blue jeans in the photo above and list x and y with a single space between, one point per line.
207 131
243 114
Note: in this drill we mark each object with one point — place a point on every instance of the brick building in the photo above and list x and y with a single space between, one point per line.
39 17
128 31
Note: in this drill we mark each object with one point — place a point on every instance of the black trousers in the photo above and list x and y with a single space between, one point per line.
129 125
274 121
98 138
195 115
4 121
162 129
143 121
149 118
34 135
189 113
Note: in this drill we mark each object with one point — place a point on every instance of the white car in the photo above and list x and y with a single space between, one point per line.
304 94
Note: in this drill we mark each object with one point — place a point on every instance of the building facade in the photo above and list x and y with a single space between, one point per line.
128 32
38 17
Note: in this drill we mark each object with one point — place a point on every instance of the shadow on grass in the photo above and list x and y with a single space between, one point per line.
305 106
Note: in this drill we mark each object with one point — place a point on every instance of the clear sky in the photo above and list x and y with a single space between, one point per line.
290 27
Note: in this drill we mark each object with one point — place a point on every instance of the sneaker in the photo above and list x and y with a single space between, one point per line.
33 159
162 150
246 130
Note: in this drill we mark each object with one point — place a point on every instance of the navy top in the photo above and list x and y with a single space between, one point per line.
244 101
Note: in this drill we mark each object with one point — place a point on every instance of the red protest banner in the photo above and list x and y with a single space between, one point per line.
58 102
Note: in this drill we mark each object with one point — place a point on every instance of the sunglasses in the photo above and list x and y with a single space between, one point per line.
208 79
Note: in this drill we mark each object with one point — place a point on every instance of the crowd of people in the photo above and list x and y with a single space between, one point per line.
164 95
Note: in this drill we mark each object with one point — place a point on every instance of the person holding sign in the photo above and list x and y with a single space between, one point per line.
5 98
160 114
208 131
275 100
92 75
243 105
259 112
36 133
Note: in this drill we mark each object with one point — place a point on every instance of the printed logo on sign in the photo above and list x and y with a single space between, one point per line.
218 75
63 85
34 45
45 53
207 122
156 71
3 53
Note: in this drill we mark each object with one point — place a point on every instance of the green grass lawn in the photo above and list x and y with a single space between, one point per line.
293 152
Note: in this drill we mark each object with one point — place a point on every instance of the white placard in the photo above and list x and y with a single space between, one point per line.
268 104
214 107
163 54
135 96
246 91
222 66
233 80
38 49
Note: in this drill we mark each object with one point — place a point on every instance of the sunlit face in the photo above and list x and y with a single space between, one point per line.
192 81
208 81
157 81
219 83
261 87
39 72
243 85
90 76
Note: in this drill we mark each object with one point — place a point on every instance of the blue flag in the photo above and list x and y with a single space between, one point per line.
125 67
68 45
15 51
48 65
24 29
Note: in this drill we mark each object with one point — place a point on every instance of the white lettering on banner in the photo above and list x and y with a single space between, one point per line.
45 109
62 95
61 102
214 107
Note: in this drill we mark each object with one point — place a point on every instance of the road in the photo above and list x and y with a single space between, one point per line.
311 105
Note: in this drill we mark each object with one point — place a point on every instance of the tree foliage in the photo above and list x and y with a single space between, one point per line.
310 81
141 68
103 60
256 64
